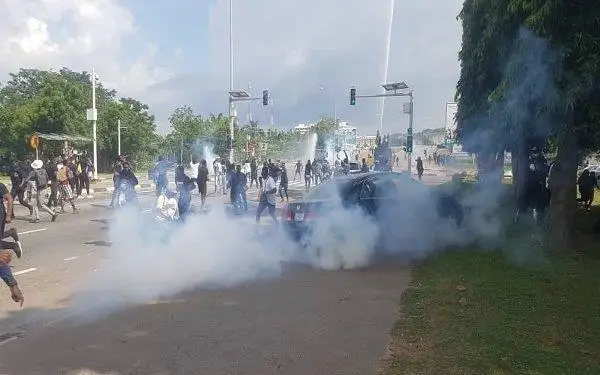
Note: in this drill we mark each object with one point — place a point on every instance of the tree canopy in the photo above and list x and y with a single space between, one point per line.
530 72
35 100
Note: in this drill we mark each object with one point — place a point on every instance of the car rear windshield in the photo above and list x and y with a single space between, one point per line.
329 189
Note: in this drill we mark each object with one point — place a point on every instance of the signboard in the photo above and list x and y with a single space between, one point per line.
92 114
451 110
34 142
407 108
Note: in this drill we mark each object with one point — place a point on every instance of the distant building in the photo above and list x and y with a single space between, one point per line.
365 141
345 137
303 128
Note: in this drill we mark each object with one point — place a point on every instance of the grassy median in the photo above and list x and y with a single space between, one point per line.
478 312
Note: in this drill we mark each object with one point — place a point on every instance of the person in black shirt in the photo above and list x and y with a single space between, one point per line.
17 174
253 172
283 183
52 170
6 218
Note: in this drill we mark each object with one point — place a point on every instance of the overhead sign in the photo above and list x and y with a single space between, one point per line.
34 141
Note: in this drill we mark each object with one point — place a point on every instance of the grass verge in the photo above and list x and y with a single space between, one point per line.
477 312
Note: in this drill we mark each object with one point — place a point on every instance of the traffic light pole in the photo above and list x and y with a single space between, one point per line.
232 117
409 138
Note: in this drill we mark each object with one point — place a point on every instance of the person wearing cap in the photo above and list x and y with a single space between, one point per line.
37 182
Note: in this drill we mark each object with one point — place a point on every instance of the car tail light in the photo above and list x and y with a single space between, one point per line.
287 213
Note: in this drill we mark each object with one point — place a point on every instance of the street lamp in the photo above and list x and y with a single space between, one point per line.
395 89
233 97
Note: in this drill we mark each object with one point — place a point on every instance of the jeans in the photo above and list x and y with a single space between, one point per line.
261 207
38 195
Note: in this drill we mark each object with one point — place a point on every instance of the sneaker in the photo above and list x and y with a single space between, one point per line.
18 249
54 216
12 232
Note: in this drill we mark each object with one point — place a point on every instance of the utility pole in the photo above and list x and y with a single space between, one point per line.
395 89
232 113
119 137
92 115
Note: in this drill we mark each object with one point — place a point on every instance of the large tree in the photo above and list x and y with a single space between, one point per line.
34 100
503 98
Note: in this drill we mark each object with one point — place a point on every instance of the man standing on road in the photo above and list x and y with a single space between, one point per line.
6 218
160 176
253 172
307 174
202 181
298 171
37 182
283 184
17 174
267 197
117 168
420 168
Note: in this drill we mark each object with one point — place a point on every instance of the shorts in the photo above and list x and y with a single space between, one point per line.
66 191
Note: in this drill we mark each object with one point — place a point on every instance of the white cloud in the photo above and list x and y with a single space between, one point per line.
291 47
79 34
294 46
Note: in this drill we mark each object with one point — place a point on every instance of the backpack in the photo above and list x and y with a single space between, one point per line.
41 178
64 174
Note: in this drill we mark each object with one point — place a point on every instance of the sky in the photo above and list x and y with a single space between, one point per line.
307 53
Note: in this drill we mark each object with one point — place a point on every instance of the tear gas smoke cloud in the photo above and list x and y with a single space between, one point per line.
214 250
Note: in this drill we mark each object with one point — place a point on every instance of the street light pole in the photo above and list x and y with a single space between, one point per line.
410 131
92 115
231 108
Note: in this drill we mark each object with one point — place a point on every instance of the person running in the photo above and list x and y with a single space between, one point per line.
64 187
37 183
8 278
283 183
6 218
267 197
17 174
202 181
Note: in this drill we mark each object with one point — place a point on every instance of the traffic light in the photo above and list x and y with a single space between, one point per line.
352 96
409 143
265 97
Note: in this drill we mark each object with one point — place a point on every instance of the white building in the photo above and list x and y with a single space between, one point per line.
303 128
345 137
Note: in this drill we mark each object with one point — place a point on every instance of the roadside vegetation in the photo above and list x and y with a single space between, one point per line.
521 309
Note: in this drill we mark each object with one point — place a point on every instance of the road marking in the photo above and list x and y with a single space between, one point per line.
33 231
25 271
147 210
71 258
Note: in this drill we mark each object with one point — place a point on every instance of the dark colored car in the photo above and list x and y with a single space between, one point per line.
379 195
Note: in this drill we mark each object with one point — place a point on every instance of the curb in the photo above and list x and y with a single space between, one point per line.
110 189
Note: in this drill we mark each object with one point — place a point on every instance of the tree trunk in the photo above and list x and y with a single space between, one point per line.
490 167
563 190
520 165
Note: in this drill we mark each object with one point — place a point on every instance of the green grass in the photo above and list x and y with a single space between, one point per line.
523 311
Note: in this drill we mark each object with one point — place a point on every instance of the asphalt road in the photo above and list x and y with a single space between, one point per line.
305 322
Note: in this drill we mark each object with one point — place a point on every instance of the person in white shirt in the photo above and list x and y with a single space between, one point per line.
267 197
167 206
194 164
